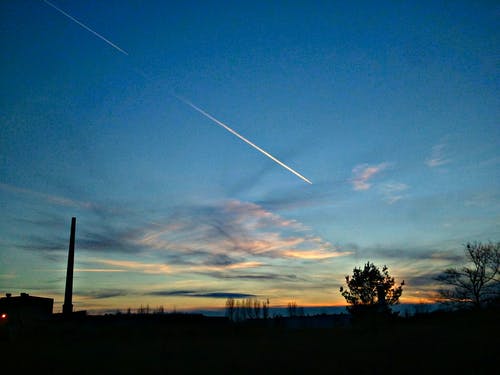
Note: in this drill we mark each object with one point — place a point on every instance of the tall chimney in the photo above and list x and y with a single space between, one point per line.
68 294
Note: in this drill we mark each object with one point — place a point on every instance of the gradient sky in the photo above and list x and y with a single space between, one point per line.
391 109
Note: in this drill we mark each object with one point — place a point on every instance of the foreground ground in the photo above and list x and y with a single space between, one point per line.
439 344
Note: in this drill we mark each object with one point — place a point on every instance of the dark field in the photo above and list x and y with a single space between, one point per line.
459 343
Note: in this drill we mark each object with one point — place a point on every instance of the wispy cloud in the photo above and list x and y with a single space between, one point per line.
438 156
49 198
237 233
436 255
363 173
224 240
231 266
102 293
261 276
150 268
104 270
314 254
191 293
393 191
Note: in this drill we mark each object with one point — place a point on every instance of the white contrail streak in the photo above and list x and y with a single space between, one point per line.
86 27
182 99
242 138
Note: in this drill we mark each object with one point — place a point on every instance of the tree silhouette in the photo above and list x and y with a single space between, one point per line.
250 308
230 308
475 284
371 290
294 310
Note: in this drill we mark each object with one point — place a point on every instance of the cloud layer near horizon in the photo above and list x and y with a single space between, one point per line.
228 236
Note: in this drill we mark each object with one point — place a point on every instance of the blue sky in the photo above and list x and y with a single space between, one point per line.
390 109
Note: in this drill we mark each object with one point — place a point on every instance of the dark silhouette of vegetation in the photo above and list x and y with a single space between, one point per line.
294 310
265 309
371 290
476 284
250 308
462 342
143 310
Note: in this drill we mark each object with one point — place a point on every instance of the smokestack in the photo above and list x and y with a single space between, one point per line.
68 294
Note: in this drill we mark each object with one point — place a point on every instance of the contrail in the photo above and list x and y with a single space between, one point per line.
182 99
86 27
242 138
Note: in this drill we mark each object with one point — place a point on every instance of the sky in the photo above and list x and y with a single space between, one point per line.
390 109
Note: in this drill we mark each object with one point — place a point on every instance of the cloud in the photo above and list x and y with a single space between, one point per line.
190 293
108 238
127 265
227 234
363 173
103 239
413 253
211 269
98 270
102 293
52 199
314 254
224 240
40 244
230 234
424 280
438 156
256 276
393 191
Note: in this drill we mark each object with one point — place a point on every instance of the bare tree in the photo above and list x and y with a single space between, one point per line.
246 306
294 310
265 309
256 308
238 311
477 283
230 308
250 308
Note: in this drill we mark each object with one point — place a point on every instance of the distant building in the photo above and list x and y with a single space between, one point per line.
25 308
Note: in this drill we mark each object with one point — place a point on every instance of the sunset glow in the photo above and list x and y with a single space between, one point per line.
370 134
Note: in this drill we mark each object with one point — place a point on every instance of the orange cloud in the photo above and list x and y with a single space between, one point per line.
151 268
314 254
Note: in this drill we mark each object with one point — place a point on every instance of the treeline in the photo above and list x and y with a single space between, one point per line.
144 310
249 308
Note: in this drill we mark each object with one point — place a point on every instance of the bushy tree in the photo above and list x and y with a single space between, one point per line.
370 289
477 283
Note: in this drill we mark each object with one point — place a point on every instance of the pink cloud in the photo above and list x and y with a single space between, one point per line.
364 172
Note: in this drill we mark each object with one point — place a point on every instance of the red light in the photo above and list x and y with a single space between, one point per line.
4 316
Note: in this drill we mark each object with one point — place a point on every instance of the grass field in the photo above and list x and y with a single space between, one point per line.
460 343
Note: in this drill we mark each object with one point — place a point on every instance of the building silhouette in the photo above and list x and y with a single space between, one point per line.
25 309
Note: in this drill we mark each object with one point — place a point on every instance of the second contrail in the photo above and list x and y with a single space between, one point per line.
86 27
220 123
